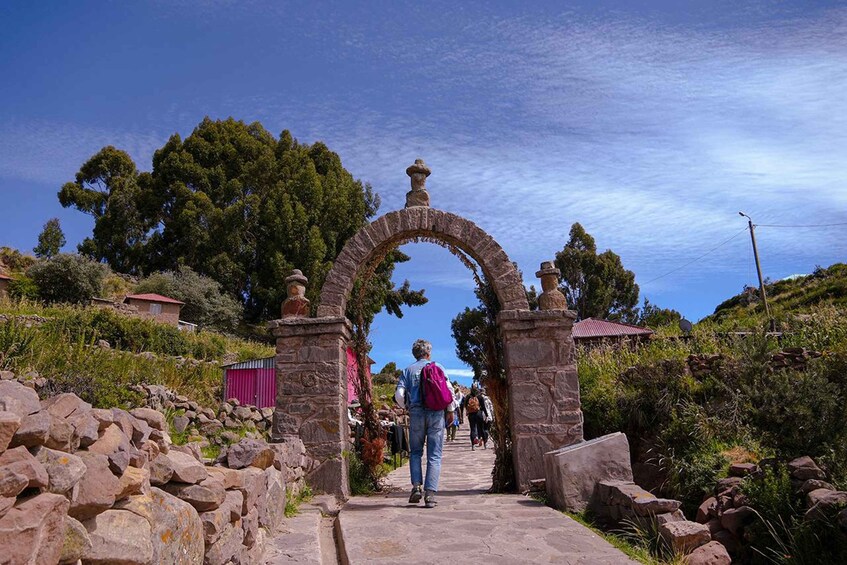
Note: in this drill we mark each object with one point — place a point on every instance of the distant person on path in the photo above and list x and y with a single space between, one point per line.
451 419
424 425
457 394
489 418
474 406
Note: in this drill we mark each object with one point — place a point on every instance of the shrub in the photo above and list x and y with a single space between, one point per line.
23 287
68 277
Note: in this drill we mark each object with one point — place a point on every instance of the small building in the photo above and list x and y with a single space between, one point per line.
353 374
5 281
594 332
160 308
251 382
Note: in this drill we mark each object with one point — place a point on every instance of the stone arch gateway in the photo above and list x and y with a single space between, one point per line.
311 359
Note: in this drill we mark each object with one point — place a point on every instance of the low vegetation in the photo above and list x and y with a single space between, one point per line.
62 344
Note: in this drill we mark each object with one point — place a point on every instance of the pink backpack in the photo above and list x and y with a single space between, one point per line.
435 393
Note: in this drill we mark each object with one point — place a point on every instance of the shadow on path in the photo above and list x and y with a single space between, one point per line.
504 528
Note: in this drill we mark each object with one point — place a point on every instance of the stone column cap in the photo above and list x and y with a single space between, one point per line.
548 268
418 167
296 276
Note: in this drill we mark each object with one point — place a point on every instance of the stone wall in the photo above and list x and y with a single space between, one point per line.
544 406
107 485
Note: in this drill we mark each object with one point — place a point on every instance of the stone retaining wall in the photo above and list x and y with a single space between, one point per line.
79 484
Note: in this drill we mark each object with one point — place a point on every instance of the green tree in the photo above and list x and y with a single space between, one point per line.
205 304
652 316
50 240
108 187
596 286
68 277
233 203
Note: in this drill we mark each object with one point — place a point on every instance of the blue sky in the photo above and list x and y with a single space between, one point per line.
652 124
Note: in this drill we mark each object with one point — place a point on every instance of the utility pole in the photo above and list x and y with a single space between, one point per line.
758 269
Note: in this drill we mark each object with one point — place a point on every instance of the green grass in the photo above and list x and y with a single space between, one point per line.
64 350
634 543
293 502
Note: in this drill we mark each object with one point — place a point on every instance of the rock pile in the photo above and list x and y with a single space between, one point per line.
79 484
794 358
619 502
217 426
728 514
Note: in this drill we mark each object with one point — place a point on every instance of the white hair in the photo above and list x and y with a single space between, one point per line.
421 348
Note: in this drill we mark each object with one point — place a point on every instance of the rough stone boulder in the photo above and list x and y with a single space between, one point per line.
177 534
250 527
253 487
227 546
104 417
250 453
736 519
215 521
742 469
76 541
63 469
154 418
112 439
119 537
133 481
9 424
804 468
86 428
230 478
96 490
712 553
26 399
272 512
34 430
707 510
203 496
18 460
685 537
573 471
65 405
61 435
161 470
11 483
186 468
34 530
825 503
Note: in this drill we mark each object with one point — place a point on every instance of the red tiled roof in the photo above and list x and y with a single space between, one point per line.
5 277
590 327
153 298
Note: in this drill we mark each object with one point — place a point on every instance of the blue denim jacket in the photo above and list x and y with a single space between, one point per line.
411 381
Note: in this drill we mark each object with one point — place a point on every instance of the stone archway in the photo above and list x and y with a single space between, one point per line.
311 352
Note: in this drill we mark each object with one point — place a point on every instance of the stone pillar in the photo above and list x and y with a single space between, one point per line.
418 196
311 395
544 407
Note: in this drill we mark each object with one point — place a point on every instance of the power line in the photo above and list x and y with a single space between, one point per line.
697 258
799 225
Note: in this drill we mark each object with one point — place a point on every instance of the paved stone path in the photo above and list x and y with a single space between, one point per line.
503 528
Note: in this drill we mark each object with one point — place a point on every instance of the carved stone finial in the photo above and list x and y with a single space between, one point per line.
418 196
552 298
296 305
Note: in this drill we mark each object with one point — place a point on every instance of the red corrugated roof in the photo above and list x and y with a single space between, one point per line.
590 327
153 298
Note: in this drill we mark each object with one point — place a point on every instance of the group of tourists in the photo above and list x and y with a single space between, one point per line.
435 413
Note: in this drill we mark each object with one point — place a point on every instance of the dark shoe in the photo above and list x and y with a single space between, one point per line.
415 497
429 499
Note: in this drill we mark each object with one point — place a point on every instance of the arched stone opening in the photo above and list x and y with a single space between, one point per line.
538 348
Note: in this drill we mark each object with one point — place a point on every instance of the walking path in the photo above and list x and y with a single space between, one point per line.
501 529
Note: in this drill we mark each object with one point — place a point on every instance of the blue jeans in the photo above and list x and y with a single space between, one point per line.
429 425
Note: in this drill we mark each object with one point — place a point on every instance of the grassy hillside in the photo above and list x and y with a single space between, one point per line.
787 298
62 344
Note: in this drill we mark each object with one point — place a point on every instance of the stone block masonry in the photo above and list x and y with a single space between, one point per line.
311 396
543 387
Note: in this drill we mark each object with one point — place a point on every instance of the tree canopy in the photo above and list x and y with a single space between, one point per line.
50 240
233 203
595 285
